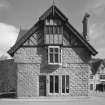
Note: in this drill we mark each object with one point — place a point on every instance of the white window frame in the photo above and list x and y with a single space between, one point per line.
54 93
65 93
102 75
59 55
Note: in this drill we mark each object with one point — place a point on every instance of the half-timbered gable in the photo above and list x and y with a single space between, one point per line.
52 58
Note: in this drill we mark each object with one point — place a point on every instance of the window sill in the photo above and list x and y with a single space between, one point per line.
54 63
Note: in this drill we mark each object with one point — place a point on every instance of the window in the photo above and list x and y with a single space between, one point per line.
53 29
54 84
54 55
53 34
91 76
52 22
91 86
65 84
102 76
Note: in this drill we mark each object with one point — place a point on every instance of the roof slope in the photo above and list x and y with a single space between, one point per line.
21 34
83 40
53 9
23 38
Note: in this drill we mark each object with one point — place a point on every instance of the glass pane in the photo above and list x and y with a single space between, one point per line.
102 76
56 58
51 30
58 22
63 84
59 55
56 50
51 21
47 22
51 50
51 39
51 84
56 84
60 30
47 30
60 39
47 39
56 39
56 30
51 58
67 84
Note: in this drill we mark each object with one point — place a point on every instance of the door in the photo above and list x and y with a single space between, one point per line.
42 85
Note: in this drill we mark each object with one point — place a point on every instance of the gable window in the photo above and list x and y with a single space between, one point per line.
53 31
54 55
65 84
54 84
53 34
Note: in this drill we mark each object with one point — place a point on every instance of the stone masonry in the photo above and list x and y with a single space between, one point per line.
32 62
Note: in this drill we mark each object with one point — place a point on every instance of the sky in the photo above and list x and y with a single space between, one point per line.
16 14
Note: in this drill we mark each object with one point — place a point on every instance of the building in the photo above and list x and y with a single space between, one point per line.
97 77
8 78
53 58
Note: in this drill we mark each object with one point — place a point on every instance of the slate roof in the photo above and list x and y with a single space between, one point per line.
53 9
21 34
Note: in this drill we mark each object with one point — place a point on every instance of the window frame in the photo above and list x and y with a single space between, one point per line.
56 32
91 76
65 87
102 77
59 55
54 91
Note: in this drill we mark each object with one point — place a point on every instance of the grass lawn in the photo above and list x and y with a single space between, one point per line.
54 101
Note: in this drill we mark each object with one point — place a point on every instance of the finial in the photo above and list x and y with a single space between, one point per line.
53 2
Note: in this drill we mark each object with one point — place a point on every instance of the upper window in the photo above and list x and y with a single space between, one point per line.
53 32
54 55
53 35
102 76
52 22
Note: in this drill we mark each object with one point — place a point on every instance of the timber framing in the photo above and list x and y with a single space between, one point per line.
69 46
54 10
24 38
38 26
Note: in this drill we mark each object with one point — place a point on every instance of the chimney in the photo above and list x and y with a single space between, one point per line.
85 25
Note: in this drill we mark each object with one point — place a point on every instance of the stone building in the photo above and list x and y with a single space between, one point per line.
53 58
97 76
